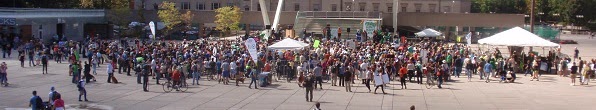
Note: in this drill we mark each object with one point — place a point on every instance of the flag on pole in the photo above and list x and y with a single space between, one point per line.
469 38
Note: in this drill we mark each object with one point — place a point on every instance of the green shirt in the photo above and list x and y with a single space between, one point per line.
75 69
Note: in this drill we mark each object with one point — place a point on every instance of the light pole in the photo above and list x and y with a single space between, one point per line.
532 16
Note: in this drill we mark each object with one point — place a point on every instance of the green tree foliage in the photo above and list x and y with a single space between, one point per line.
228 18
170 15
564 11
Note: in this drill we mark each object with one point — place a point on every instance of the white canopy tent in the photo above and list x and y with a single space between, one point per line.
517 37
428 33
288 44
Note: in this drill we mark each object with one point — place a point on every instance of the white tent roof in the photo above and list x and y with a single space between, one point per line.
428 33
517 37
287 44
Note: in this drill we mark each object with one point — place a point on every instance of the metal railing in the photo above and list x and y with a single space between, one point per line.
339 14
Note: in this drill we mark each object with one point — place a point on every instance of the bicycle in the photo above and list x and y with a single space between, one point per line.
430 81
169 86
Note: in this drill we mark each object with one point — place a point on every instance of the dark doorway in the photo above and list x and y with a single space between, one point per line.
60 30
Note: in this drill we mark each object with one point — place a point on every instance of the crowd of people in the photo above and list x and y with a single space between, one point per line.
341 61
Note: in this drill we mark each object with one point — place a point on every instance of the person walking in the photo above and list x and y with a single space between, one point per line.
3 74
58 103
195 73
586 74
379 74
253 75
110 70
82 91
94 63
419 72
487 71
86 72
308 86
341 75
22 58
44 63
35 102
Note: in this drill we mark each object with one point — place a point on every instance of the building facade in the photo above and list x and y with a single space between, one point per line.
384 6
445 14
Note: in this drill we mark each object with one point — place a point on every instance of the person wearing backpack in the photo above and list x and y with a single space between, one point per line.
35 102
52 95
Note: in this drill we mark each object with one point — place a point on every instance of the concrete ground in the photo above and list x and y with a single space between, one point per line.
550 93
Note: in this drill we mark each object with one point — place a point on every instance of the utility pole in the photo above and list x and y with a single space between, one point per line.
341 4
532 16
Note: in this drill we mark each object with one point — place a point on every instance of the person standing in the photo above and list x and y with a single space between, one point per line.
410 67
402 76
339 33
225 67
348 80
110 70
308 86
44 63
31 54
341 75
3 74
146 71
82 91
574 70
586 74
419 72
195 73
22 58
94 63
35 102
318 76
76 73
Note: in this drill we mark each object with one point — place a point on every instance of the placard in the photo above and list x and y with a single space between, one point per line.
385 79
378 80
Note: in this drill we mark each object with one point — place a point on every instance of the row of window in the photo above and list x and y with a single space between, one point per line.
317 7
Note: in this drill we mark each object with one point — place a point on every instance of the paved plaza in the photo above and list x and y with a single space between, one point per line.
550 93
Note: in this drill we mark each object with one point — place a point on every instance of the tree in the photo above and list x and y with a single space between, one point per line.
187 18
228 19
170 15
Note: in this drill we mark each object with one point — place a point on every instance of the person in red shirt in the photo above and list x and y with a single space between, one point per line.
58 103
176 77
402 76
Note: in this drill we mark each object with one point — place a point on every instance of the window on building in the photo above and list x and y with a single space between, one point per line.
155 6
447 9
258 7
215 6
418 7
376 6
333 7
404 7
246 8
362 6
316 7
201 6
390 7
185 5
297 7
432 7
